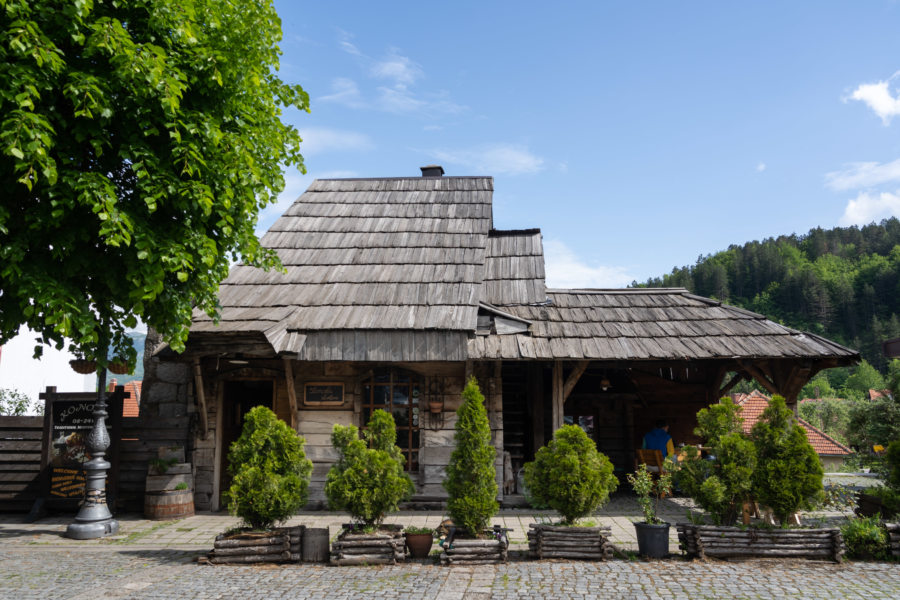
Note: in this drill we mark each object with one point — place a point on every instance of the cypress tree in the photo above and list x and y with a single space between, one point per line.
471 478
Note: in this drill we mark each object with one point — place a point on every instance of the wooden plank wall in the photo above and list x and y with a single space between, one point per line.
140 440
20 462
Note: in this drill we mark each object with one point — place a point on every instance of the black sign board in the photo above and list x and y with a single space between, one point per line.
323 394
71 422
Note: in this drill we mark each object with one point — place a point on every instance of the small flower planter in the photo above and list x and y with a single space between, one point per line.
492 549
281 545
551 541
85 367
652 539
734 542
419 544
385 546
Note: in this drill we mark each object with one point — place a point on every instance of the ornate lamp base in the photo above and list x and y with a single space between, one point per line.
90 531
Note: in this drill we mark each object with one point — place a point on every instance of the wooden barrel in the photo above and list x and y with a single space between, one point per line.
175 504
315 544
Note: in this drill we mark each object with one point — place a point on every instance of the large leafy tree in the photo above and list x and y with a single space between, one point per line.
138 141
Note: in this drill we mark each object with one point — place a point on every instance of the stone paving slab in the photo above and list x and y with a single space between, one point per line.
38 572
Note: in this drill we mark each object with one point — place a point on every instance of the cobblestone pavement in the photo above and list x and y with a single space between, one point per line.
156 559
54 572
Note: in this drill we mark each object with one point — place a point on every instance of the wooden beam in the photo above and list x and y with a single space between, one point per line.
759 376
200 394
573 378
558 400
292 393
535 393
738 377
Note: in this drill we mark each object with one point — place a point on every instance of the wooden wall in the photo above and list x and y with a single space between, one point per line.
20 462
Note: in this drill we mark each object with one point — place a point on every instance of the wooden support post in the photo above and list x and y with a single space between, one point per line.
200 394
291 392
536 397
573 378
558 399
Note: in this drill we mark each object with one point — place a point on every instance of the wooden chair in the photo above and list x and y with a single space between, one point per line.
652 458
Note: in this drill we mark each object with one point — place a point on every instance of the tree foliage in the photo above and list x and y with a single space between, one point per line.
471 481
270 472
841 283
138 141
15 403
788 474
368 480
722 483
570 475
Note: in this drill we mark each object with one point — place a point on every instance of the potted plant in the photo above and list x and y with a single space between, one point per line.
419 541
653 532
270 482
571 476
368 481
471 486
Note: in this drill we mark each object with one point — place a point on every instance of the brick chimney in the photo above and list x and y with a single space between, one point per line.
432 171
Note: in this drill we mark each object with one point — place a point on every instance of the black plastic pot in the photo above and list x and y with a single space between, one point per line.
653 540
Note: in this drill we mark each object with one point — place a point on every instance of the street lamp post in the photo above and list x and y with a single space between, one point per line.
94 519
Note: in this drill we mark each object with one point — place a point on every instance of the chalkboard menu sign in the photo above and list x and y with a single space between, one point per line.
323 394
71 422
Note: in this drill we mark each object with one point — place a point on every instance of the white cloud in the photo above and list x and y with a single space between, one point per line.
345 43
346 92
500 159
318 140
397 68
863 175
760 167
871 207
879 98
566 270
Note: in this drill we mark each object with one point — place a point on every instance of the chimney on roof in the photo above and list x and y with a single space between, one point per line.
432 171
112 385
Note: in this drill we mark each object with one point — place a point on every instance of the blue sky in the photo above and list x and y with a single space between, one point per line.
636 135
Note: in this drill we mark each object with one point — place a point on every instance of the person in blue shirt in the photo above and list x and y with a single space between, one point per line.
659 439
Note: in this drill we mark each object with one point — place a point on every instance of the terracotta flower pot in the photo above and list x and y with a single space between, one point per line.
419 544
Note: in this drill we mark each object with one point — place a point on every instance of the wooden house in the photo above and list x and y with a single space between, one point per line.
397 289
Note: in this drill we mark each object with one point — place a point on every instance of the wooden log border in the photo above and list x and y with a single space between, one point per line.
709 541
387 546
586 543
476 552
281 545
893 530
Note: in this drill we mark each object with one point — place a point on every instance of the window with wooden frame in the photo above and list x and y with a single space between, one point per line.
397 393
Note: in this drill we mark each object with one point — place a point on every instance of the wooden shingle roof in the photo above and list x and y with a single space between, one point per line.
514 271
400 256
647 324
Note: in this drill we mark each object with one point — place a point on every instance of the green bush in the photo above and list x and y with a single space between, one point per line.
865 538
368 480
788 474
646 486
722 483
270 472
892 457
471 481
570 475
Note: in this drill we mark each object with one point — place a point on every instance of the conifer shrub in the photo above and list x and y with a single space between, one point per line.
788 474
570 475
270 472
471 481
368 480
722 483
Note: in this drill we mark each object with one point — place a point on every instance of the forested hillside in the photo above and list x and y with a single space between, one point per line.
843 283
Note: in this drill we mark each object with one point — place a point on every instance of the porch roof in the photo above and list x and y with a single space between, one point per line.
648 324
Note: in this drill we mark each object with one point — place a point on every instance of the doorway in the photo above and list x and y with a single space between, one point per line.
238 397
